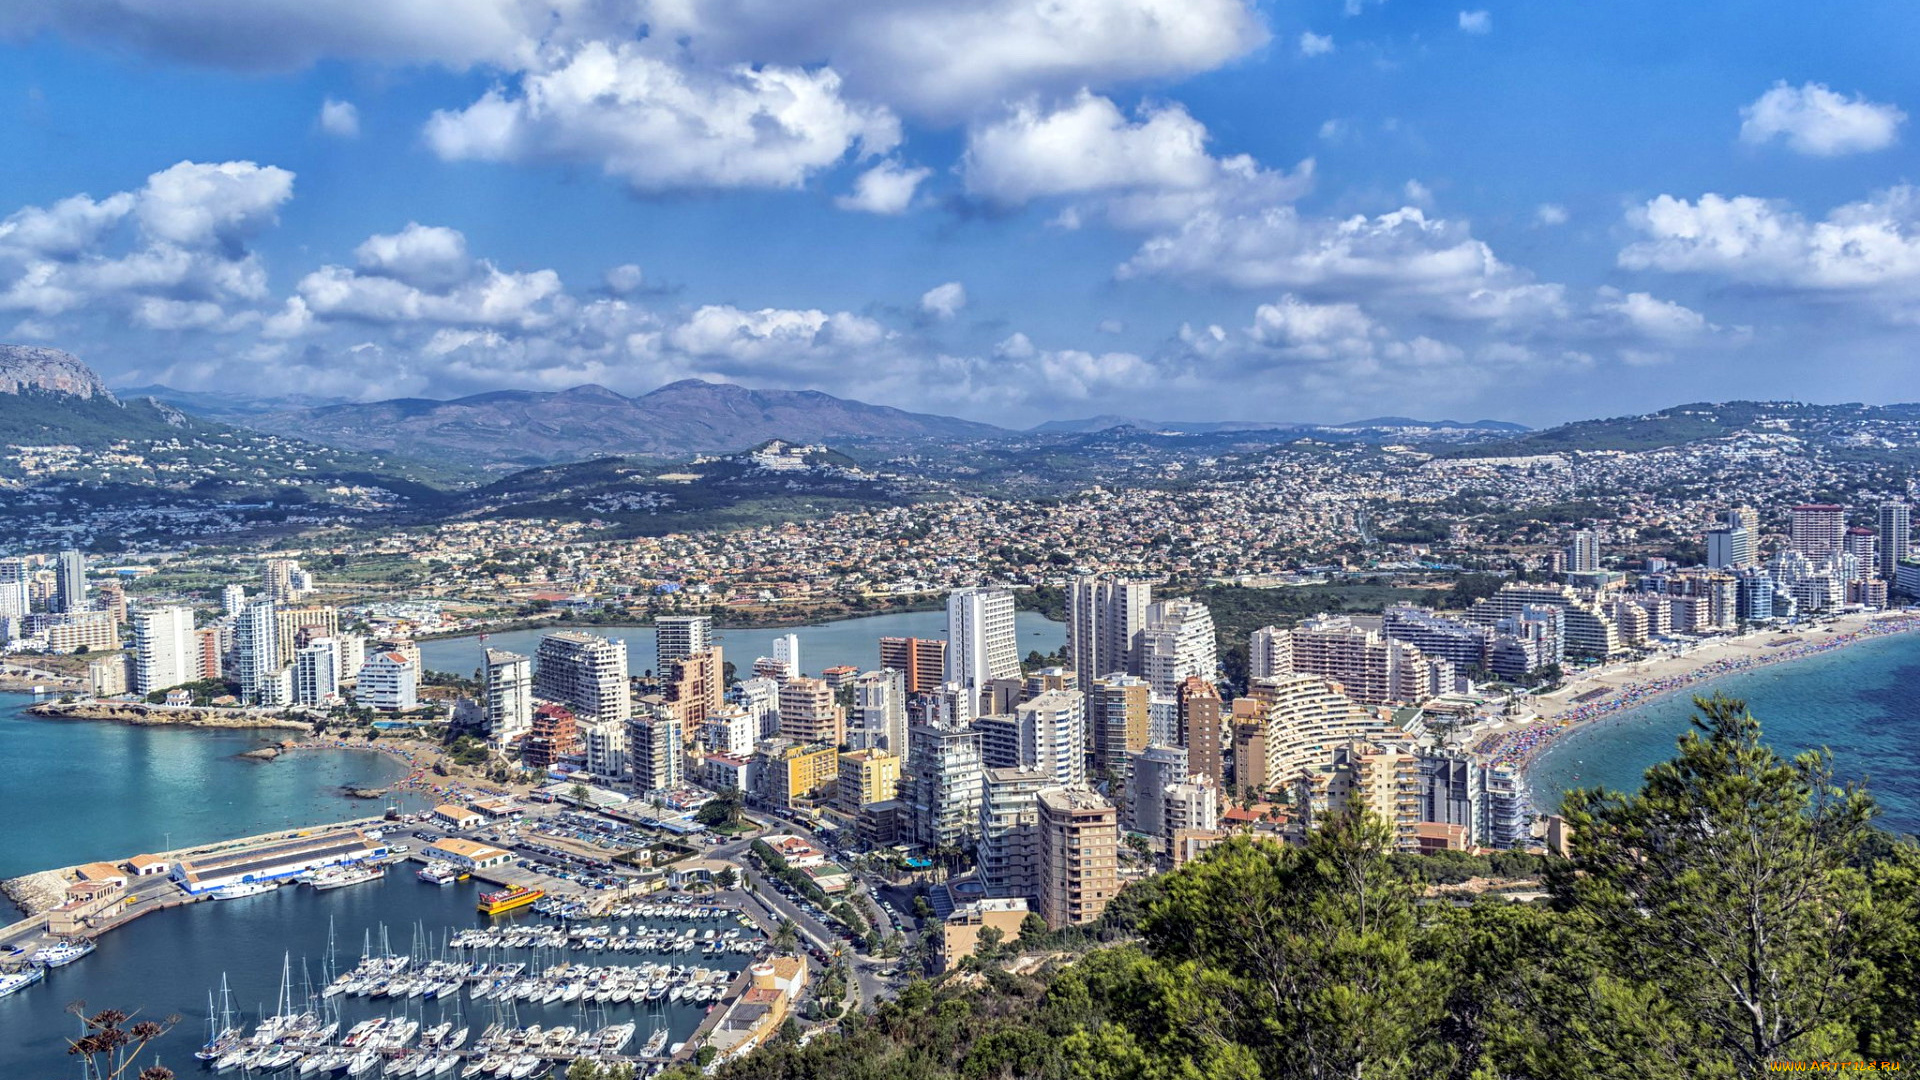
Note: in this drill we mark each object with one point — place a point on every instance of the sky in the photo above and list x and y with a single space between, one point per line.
1008 210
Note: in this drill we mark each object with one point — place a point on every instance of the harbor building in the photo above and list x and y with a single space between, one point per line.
468 855
274 862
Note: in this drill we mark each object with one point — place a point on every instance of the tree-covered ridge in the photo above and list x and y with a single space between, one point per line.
1739 909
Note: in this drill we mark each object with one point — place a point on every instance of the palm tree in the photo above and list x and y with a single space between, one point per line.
786 936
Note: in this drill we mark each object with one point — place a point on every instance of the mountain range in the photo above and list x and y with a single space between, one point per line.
518 428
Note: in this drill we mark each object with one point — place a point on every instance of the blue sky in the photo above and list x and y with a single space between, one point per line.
1011 210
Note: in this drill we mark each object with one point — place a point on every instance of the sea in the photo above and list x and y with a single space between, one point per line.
82 790
1861 703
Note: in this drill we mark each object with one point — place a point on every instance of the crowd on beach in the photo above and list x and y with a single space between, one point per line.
1518 746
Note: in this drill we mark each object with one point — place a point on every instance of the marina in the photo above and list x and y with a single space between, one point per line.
534 990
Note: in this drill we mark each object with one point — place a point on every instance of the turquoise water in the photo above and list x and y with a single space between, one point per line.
79 790
848 641
1861 702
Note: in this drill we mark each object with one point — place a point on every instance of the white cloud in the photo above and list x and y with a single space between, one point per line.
1869 248
65 229
887 188
279 35
1550 214
944 301
223 205
423 276
625 279
425 255
1075 373
660 126
1312 44
191 224
1418 194
341 119
1476 22
1816 121
1149 170
948 60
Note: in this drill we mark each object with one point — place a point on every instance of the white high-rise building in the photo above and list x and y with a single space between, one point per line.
677 637
1269 653
164 652
1177 643
786 652
879 720
1104 622
16 597
389 680
1053 735
256 651
1896 538
316 672
1583 552
585 673
981 641
506 690
761 698
1729 547
353 653
233 599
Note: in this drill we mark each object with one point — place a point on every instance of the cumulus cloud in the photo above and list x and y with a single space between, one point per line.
944 301
661 126
948 61
887 188
1476 22
221 205
1550 214
1147 170
341 119
281 35
1814 120
1869 248
429 256
1312 44
180 238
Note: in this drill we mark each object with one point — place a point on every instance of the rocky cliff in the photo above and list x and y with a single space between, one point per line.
32 369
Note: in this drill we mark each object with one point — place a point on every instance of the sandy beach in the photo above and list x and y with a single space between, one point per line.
1610 688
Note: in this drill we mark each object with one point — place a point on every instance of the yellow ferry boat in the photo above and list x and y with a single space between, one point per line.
496 903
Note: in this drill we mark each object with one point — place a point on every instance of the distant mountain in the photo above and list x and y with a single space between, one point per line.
1854 428
1446 425
232 407
1093 424
30 369
79 465
511 428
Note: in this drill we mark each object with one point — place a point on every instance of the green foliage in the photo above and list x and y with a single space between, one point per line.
1738 909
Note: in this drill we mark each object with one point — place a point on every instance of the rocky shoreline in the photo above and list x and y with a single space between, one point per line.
144 715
